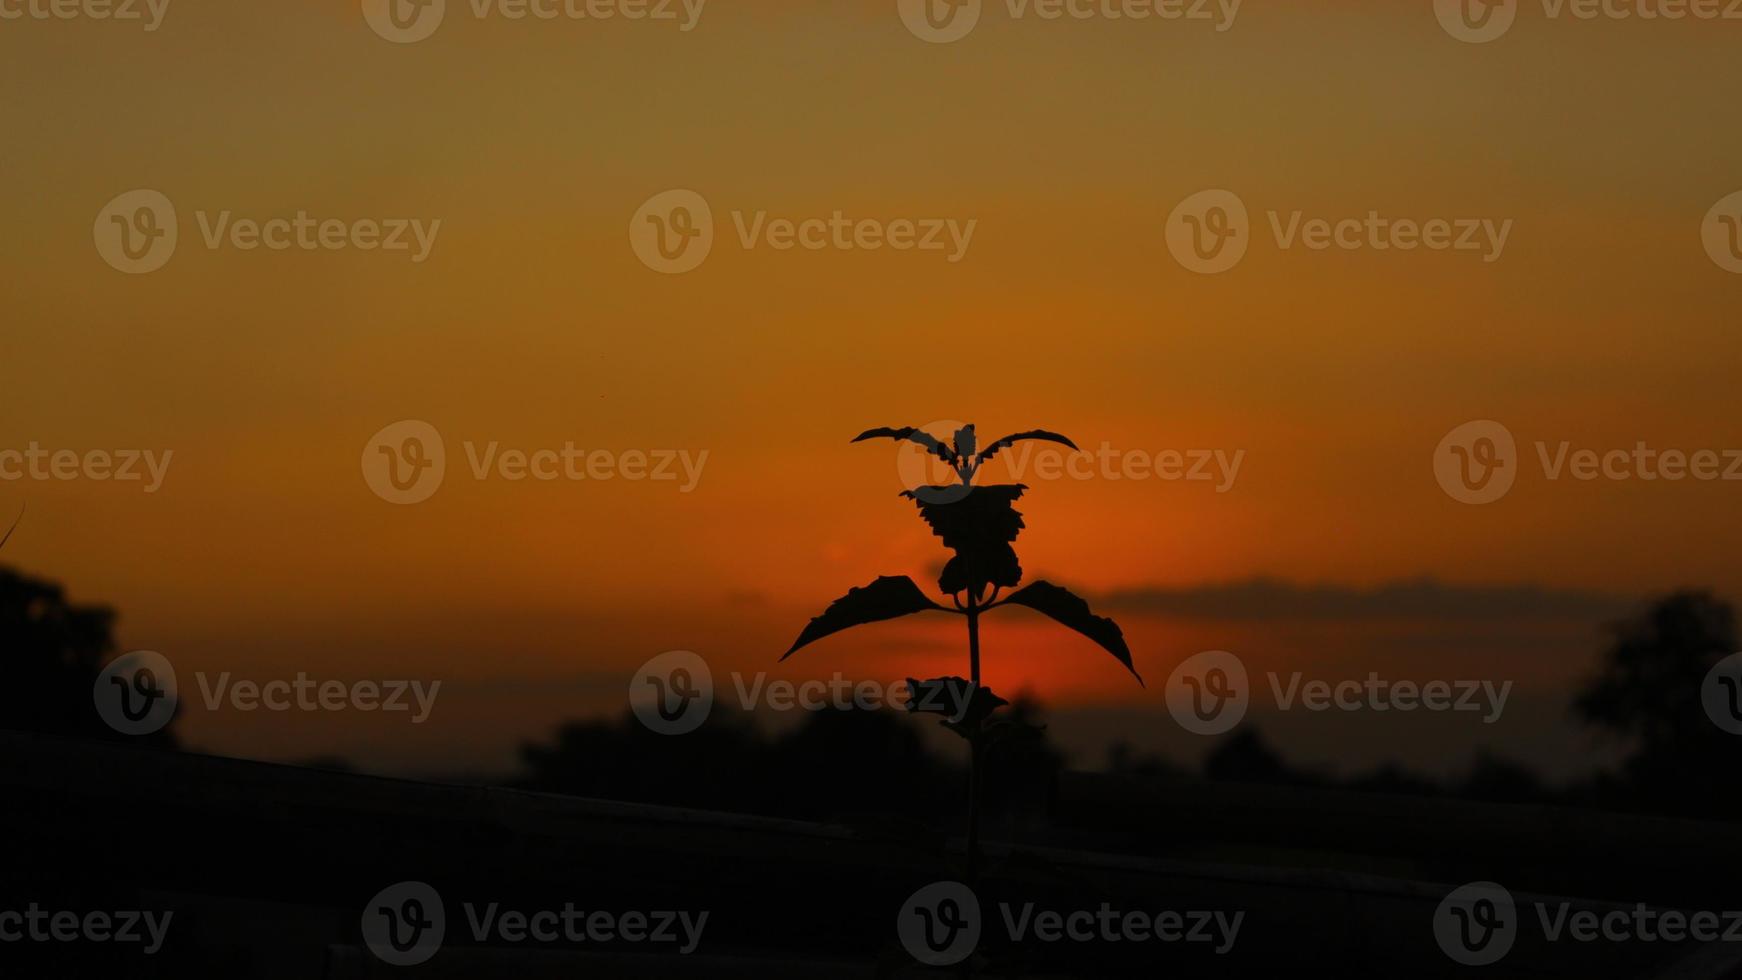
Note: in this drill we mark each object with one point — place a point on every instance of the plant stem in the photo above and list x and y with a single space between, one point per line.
973 640
973 741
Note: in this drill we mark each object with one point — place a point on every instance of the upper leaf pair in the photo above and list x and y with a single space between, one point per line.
959 453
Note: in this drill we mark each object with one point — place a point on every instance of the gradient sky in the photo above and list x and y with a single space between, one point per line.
533 324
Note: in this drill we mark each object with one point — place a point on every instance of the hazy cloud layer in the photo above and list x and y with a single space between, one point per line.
1426 598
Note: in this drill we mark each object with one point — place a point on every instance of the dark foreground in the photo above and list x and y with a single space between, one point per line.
260 871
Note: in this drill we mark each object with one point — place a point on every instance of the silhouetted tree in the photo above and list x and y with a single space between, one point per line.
832 765
715 767
1648 692
53 651
1393 778
1499 780
1245 757
1124 758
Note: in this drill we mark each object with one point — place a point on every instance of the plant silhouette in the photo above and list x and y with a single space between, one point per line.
980 525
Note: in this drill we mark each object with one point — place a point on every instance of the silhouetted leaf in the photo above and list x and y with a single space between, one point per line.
995 564
910 434
957 698
887 598
966 706
1009 441
978 523
1064 606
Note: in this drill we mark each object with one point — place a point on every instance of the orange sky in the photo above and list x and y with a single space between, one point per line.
533 324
